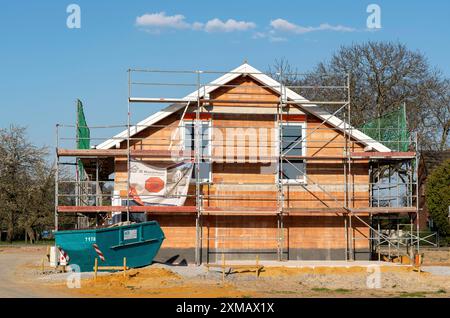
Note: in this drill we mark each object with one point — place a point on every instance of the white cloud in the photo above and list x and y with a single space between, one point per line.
156 22
339 28
277 39
197 26
217 25
282 25
259 35
270 36
161 21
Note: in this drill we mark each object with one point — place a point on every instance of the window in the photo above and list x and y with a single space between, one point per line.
292 169
189 145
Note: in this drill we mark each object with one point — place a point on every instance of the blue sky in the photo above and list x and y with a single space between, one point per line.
45 66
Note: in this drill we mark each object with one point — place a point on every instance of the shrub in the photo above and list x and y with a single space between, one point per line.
437 194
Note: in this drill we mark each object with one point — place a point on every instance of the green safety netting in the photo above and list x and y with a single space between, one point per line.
83 133
389 129
83 136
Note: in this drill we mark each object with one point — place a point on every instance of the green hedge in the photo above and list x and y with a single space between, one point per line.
438 198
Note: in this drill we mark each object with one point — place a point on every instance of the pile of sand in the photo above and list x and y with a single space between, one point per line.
154 282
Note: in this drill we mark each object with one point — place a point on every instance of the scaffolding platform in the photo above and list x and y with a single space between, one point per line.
161 154
173 210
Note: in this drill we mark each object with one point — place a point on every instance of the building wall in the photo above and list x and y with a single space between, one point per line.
319 236
245 237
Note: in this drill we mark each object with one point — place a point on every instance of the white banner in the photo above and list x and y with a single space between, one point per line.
150 185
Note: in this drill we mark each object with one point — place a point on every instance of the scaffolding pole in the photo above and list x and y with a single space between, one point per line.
280 186
350 203
56 177
416 172
197 147
128 145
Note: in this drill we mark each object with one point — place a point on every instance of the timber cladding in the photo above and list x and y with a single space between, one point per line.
248 182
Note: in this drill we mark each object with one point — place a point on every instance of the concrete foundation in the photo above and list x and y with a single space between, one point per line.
187 255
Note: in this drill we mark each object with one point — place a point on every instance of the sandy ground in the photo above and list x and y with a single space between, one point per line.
18 277
21 276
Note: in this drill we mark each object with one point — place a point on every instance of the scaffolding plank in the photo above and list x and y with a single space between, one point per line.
121 153
172 153
175 153
233 211
160 100
239 211
384 155
310 211
269 101
384 210
149 209
367 210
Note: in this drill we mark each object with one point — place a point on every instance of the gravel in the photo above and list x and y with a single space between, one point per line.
437 270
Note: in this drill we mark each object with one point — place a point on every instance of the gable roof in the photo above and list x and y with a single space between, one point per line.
263 79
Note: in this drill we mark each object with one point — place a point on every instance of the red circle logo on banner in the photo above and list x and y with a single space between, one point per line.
154 184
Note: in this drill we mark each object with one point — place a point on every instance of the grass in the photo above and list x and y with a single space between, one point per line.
282 292
22 243
324 289
320 289
342 290
441 291
413 294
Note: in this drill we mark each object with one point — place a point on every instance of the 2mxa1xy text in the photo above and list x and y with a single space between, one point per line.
227 308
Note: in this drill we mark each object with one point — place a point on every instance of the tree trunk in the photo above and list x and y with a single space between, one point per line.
29 234
10 233
445 132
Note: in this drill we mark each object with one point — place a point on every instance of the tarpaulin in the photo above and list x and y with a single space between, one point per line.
151 185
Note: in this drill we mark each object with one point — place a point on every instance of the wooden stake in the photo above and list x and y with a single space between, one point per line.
42 265
223 267
95 268
124 267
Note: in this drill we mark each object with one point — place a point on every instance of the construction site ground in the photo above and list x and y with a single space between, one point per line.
22 276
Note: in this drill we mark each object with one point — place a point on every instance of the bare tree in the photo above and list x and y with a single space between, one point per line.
26 184
39 212
437 120
383 76
284 72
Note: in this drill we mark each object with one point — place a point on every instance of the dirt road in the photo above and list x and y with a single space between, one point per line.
17 277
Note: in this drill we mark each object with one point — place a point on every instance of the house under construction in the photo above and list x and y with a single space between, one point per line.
268 173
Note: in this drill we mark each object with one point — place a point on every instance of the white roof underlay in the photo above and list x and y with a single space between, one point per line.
263 79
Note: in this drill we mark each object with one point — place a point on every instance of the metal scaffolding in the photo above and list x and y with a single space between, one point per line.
400 168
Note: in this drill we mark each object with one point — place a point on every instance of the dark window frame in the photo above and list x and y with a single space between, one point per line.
203 162
299 149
